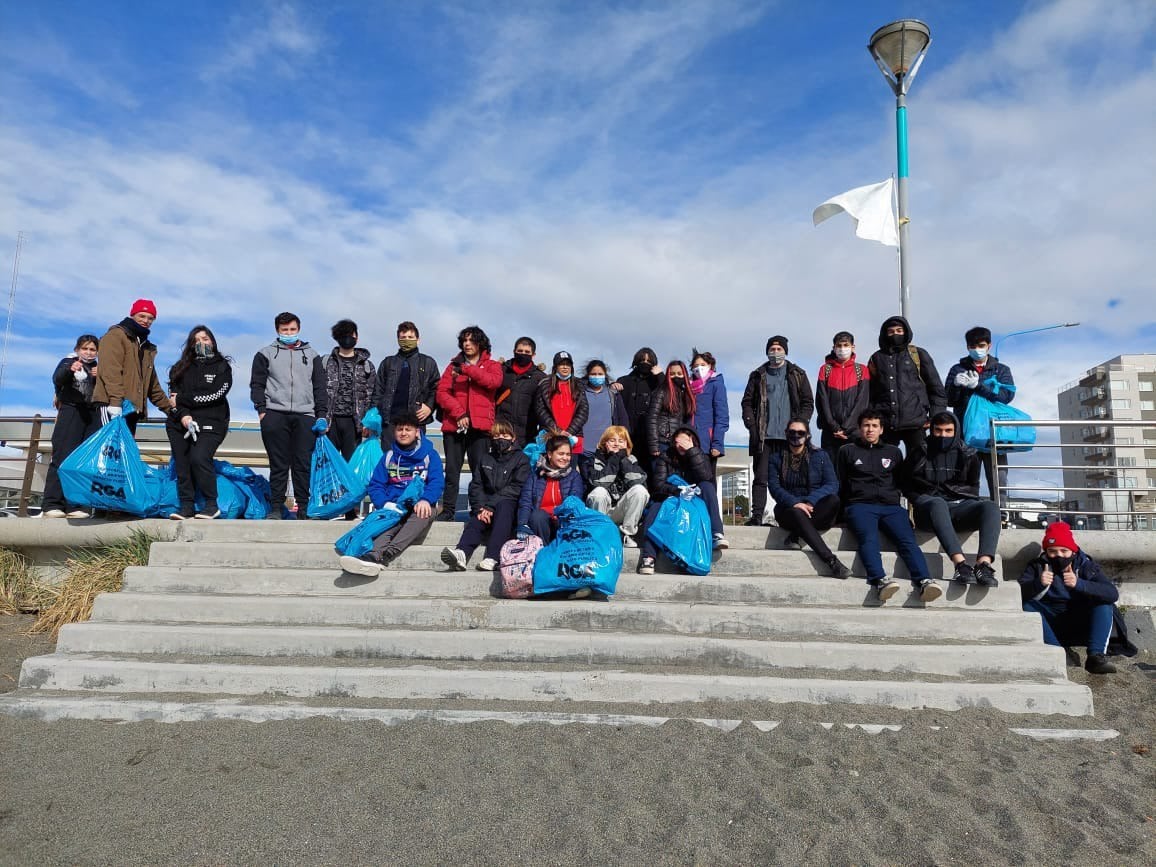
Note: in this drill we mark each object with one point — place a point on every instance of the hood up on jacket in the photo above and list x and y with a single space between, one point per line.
885 344
956 440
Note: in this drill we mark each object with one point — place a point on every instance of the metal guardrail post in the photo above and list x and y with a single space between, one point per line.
29 466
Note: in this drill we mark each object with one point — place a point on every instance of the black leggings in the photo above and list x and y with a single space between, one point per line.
810 529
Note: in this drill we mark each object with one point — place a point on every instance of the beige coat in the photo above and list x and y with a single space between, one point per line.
126 370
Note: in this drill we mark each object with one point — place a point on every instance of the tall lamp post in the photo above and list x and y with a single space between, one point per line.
899 49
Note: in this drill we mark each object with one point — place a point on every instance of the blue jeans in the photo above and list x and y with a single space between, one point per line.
1067 625
865 519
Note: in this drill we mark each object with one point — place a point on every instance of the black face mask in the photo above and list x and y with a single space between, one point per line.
347 342
1059 564
896 339
644 366
679 382
501 447
523 359
938 443
796 437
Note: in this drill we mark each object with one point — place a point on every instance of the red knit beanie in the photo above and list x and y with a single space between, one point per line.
143 305
1059 535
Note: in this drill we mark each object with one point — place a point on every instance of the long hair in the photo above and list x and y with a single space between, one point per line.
474 333
683 400
189 353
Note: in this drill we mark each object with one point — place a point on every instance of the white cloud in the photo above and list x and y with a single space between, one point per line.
278 42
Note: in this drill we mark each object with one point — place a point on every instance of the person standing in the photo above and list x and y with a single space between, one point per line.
980 373
288 389
519 390
200 383
128 368
76 419
671 407
842 392
561 402
604 404
905 387
776 392
636 389
350 386
466 395
407 381
712 416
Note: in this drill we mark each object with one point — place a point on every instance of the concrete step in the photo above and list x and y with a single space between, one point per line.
777 590
309 555
744 620
530 647
443 533
104 676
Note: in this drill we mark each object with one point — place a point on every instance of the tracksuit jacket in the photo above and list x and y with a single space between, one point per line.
842 392
869 473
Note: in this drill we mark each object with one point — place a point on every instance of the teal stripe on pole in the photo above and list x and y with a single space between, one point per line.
901 138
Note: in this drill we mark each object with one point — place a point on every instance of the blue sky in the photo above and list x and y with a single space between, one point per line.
599 176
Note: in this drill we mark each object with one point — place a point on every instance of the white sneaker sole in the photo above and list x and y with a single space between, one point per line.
357 566
78 515
453 562
888 590
53 513
930 593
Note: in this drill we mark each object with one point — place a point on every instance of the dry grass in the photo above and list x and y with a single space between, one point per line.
89 572
21 589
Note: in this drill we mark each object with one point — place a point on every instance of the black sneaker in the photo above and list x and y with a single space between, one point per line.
646 566
838 570
1098 664
274 514
985 575
885 588
388 556
445 516
753 522
964 574
1071 657
792 543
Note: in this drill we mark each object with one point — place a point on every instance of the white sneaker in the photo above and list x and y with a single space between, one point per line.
55 513
176 516
455 558
489 564
359 566
720 542
79 513
208 516
628 541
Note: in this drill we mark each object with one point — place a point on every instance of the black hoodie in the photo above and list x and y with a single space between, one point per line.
70 390
905 386
949 470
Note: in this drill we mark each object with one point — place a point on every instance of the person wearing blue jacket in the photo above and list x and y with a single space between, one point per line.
553 479
802 480
411 455
1073 597
974 375
712 416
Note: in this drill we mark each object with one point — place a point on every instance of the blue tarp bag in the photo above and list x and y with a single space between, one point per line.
333 490
978 418
359 540
682 530
365 459
106 472
372 421
587 552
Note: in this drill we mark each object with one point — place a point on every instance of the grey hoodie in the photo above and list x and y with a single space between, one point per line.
288 379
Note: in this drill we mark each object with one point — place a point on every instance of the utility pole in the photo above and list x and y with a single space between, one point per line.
11 309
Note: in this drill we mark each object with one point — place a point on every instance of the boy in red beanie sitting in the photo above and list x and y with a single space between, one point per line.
1067 589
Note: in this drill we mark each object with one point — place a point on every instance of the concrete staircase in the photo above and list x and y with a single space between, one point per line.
256 620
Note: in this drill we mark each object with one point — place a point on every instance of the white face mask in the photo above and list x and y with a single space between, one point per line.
843 352
702 371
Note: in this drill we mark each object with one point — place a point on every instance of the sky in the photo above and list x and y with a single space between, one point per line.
600 176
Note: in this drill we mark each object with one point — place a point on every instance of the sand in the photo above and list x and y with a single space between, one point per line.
320 792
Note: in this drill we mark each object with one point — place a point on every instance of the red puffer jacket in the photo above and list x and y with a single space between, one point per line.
469 390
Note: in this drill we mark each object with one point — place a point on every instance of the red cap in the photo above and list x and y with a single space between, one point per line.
143 305
1059 535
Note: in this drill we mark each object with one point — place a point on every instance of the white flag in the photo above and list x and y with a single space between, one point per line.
870 208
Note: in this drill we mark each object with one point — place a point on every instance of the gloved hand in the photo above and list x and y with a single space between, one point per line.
573 440
113 411
967 379
320 426
689 492
524 533
191 430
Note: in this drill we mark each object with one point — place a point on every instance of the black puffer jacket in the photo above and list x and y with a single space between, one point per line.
202 391
638 387
666 416
905 393
950 470
515 401
545 411
498 477
693 465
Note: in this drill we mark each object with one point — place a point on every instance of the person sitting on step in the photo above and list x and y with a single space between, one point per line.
410 455
1073 597
617 482
495 487
867 468
943 487
553 480
802 480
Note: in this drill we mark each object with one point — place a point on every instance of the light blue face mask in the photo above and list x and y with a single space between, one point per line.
977 354
562 378
596 381
289 339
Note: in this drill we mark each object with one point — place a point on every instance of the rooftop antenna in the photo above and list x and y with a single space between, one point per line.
11 309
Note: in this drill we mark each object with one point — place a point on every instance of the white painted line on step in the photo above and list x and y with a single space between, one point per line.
873 728
726 725
765 725
1067 734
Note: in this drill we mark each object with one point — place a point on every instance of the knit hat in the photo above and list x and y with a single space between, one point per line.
1059 535
563 357
843 335
143 305
782 341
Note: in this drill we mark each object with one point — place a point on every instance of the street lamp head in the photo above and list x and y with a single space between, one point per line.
899 48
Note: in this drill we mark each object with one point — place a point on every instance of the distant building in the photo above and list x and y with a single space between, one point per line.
1120 461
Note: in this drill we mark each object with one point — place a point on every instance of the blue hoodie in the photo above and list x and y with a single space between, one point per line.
397 467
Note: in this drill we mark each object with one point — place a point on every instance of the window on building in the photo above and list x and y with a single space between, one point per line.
1147 385
1148 404
1119 385
1122 404
1125 462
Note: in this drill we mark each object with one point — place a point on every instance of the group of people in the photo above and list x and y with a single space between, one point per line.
616 444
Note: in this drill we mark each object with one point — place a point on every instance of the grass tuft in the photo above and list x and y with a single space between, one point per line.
21 588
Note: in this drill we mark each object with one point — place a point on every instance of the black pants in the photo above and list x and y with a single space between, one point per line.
1001 471
914 440
193 462
810 529
457 447
499 531
343 434
289 444
74 424
761 459
831 445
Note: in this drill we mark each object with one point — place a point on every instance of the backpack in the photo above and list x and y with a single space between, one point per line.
516 567
827 368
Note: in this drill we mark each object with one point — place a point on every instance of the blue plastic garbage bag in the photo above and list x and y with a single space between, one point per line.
978 418
333 490
232 499
535 449
587 552
365 459
682 530
372 421
359 540
255 488
106 472
161 482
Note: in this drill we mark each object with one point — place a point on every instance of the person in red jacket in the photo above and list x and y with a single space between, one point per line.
561 401
466 395
842 392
